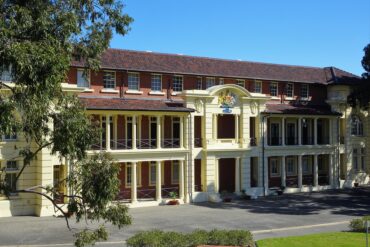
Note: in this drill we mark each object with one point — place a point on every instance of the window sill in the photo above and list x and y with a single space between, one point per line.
156 93
289 98
133 92
88 90
8 140
107 90
275 97
175 93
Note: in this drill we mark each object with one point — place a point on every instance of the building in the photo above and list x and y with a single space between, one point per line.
201 127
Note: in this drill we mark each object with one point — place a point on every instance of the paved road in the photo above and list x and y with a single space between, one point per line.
285 215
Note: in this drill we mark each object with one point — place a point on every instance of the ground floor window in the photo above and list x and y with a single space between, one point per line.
358 159
175 172
306 166
291 167
129 175
11 174
274 168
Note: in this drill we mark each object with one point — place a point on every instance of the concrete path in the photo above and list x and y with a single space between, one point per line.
285 215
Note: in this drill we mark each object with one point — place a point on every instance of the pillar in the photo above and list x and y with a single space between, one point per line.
115 131
283 131
300 131
237 175
159 130
264 129
315 131
107 132
300 171
133 182
181 179
283 172
236 118
216 175
331 170
214 134
330 131
158 180
246 175
266 175
181 132
315 171
134 127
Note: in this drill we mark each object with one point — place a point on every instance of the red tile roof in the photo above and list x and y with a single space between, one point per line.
181 64
100 103
299 109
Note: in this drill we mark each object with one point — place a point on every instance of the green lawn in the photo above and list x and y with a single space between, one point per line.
332 239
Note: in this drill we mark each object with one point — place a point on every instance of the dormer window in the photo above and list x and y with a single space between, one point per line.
257 86
356 126
274 89
304 91
289 90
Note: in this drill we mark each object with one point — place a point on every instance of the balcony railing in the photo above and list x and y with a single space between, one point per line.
274 141
292 140
146 143
170 143
121 144
125 144
322 140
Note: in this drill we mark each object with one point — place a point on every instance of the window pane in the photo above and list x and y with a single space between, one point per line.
304 91
156 83
82 81
240 83
199 83
11 165
289 90
273 89
210 81
10 179
133 81
153 173
257 87
109 80
221 81
177 84
175 172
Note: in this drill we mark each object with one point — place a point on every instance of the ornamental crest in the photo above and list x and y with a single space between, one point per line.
227 99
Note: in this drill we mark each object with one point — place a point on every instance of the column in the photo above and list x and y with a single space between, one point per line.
300 131
216 175
331 170
134 132
159 132
264 129
133 182
266 175
181 179
283 131
158 180
300 171
330 131
246 175
186 131
107 132
236 117
214 134
139 122
283 172
315 171
162 129
315 131
181 132
101 135
115 131
237 175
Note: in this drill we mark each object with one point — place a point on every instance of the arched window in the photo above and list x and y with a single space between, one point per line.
356 126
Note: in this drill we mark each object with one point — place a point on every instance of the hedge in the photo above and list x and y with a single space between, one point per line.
358 225
157 238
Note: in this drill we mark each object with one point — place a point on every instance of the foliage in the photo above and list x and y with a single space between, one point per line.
172 195
198 237
333 239
38 40
87 237
366 62
358 225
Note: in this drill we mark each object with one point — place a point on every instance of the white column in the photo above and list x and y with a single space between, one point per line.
115 131
134 132
266 175
216 175
300 131
158 181
186 132
181 132
246 175
315 171
159 130
237 175
315 131
299 171
101 134
283 131
107 132
236 118
162 128
330 131
133 182
265 128
283 172
139 123
214 117
181 179
331 170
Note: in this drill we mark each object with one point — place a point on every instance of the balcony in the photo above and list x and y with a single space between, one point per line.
292 140
127 144
274 141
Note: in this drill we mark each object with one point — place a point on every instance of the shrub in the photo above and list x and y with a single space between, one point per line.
358 225
158 238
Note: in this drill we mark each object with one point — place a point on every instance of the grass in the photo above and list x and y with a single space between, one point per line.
333 239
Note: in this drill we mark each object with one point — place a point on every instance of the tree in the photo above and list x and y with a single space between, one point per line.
38 40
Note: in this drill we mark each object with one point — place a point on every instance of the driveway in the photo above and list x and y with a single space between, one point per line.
293 214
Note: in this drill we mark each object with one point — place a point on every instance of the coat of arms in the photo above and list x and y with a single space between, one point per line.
227 100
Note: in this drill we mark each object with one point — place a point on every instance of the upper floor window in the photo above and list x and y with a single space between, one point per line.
6 74
221 81
133 81
156 82
199 83
304 91
289 90
240 83
83 79
177 83
10 136
210 81
273 89
356 126
257 86
109 80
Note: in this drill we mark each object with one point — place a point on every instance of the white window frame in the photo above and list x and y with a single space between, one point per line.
272 89
240 82
177 83
155 85
107 83
357 127
274 164
290 161
133 81
257 86
86 83
199 83
175 180
210 82
304 92
12 171
289 92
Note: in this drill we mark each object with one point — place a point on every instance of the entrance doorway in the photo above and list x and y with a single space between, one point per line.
226 175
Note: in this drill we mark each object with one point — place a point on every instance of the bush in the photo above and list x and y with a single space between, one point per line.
158 238
358 225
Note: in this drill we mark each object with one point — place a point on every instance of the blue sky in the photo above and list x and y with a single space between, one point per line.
311 33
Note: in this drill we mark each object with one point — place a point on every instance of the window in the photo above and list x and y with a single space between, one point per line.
363 156
356 126
129 174
156 82
133 81
11 174
109 80
306 166
11 165
274 89
6 74
240 83
210 81
83 78
275 168
11 136
257 86
289 90
152 173
304 91
358 159
199 83
175 172
177 83
291 167
355 159
221 81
